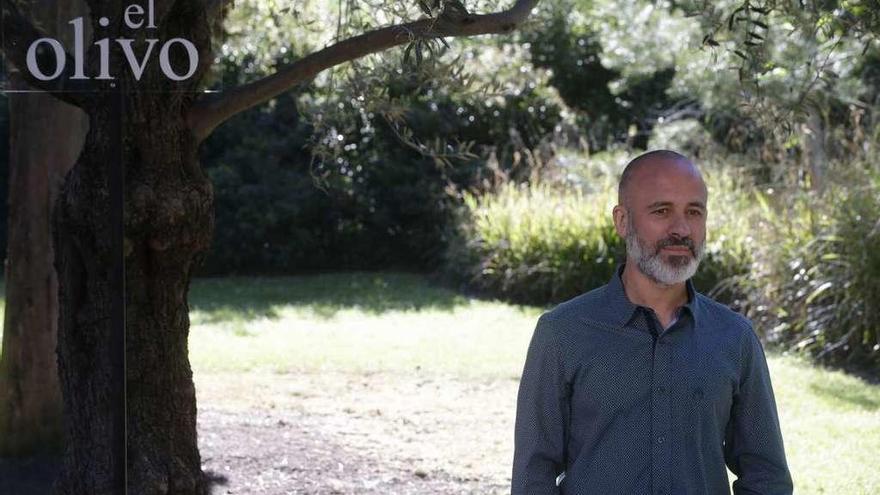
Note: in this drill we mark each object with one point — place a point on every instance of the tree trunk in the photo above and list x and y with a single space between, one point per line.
89 324
46 135
169 224
139 143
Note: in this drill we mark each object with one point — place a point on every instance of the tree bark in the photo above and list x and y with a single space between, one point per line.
89 291
169 224
46 135
138 248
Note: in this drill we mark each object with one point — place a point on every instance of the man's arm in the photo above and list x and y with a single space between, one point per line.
753 446
541 416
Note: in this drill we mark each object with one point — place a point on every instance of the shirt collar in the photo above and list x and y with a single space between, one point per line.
620 309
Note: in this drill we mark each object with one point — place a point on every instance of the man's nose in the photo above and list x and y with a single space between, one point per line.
680 227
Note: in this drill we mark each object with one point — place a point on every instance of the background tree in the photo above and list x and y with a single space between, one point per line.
150 129
45 137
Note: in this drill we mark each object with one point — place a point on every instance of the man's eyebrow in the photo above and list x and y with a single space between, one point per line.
657 204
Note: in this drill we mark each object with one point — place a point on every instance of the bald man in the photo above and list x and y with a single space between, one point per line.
645 386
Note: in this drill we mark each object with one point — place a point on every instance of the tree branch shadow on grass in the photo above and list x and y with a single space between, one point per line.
213 479
249 298
851 395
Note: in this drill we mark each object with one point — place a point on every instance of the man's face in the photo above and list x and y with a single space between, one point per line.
665 221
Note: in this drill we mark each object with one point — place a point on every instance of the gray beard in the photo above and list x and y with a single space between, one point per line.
651 264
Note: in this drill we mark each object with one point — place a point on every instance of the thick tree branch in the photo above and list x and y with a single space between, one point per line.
206 115
18 34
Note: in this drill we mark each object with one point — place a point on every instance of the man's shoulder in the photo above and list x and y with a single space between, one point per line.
567 318
718 311
718 315
577 307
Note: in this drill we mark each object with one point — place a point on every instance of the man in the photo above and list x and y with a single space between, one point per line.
644 386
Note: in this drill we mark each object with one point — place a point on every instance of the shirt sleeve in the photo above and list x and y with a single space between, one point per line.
541 416
753 447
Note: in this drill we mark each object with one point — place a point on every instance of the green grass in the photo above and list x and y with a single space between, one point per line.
363 322
353 322
391 322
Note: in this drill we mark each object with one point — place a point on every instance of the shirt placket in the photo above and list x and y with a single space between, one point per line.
660 409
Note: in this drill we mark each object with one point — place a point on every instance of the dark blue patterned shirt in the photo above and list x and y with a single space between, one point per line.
611 403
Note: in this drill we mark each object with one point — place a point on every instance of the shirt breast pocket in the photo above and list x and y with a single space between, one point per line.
710 390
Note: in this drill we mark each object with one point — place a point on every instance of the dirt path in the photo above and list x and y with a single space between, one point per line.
338 433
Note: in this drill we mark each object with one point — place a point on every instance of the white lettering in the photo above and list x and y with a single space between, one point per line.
104 45
131 11
165 62
136 68
78 50
60 59
151 15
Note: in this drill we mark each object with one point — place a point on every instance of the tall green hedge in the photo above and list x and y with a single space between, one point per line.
534 244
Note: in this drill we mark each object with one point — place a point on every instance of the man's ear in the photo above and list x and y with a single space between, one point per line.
620 221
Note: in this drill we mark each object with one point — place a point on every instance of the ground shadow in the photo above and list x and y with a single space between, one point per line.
248 298
28 476
854 396
213 479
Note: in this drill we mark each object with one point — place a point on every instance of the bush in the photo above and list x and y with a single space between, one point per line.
535 244
816 283
729 245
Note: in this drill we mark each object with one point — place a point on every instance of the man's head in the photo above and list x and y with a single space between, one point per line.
661 213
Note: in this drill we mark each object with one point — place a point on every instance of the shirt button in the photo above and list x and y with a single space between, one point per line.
660 439
661 389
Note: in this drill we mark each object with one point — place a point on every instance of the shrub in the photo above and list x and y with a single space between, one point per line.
729 244
535 244
816 283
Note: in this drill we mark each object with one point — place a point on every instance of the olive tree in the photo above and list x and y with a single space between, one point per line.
135 216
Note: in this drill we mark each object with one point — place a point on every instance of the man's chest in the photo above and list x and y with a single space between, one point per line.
672 377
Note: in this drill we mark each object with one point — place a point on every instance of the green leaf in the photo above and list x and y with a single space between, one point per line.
816 293
762 202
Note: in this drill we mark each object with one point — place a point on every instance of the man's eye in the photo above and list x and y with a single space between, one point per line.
661 211
696 213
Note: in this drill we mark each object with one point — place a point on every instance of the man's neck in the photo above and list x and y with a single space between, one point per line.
663 299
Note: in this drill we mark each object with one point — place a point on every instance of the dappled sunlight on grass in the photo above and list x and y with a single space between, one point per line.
474 339
320 296
831 426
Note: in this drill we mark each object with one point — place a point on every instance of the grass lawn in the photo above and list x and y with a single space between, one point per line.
399 323
360 322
